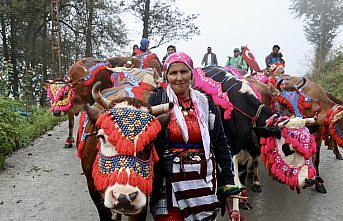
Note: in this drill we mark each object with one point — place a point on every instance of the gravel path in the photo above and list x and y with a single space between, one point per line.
45 182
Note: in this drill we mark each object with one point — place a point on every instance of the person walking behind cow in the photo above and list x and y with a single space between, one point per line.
135 47
170 50
189 148
237 61
144 47
209 58
275 56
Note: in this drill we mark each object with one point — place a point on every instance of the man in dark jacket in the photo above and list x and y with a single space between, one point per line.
275 56
209 58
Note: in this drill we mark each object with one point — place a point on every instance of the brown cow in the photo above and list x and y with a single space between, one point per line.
115 185
75 89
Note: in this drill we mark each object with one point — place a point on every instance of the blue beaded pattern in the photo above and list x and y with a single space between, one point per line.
108 165
92 68
293 101
131 122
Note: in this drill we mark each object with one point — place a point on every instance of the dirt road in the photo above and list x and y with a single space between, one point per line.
45 182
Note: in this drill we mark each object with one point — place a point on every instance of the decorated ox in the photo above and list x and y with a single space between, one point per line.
290 100
247 120
60 97
68 96
117 154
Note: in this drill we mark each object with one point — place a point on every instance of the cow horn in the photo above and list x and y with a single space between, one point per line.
338 116
92 112
97 96
278 86
164 119
301 83
161 108
283 123
111 69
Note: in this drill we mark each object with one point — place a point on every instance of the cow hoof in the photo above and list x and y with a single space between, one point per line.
338 155
245 205
68 145
256 188
320 188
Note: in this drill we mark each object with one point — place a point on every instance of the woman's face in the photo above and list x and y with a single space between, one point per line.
179 78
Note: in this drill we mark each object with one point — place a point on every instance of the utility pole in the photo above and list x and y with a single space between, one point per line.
55 40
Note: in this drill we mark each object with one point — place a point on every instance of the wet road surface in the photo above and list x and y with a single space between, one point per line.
45 182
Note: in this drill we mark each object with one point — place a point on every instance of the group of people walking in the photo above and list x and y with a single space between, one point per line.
237 61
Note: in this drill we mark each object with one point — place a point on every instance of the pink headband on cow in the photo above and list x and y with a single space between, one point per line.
178 57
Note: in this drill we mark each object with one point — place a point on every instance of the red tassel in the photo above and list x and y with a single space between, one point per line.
133 179
80 148
114 177
122 177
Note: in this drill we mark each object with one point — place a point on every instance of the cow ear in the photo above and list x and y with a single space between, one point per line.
268 131
45 86
92 112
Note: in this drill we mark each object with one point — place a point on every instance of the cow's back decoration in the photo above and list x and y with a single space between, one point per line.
60 96
302 142
331 127
213 88
94 70
130 131
295 102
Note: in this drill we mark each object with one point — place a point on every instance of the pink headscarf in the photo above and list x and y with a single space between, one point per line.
178 57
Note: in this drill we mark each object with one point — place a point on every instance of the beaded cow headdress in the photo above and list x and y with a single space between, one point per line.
130 131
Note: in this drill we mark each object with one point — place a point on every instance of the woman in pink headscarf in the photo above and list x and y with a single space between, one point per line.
190 148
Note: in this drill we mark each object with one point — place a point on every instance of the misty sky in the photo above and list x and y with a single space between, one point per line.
226 24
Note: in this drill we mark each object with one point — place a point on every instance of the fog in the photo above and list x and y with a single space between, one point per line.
226 24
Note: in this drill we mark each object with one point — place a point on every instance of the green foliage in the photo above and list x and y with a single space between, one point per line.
331 76
17 131
322 20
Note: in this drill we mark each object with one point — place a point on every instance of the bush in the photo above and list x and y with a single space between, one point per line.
18 129
331 76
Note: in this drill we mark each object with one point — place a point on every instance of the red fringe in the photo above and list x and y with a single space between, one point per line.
145 138
148 58
94 73
142 87
79 134
328 126
102 181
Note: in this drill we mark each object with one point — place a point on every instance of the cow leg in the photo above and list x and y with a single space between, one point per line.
333 145
244 204
318 180
70 139
256 186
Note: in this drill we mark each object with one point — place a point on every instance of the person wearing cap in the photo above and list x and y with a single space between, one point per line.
237 60
209 58
170 50
275 56
189 147
144 47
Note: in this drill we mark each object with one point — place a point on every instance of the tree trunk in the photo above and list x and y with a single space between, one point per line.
13 42
45 62
146 19
4 38
90 9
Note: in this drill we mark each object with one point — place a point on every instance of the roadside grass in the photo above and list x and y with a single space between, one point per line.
19 125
